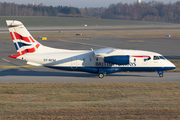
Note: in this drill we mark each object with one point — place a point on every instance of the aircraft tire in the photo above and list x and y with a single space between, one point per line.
101 75
161 75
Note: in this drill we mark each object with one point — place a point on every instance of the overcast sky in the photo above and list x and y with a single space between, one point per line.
81 3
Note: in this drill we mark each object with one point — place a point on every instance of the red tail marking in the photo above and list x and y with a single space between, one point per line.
18 36
31 39
37 46
24 51
14 56
12 35
31 50
25 39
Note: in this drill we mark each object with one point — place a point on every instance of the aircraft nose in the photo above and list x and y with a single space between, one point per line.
172 65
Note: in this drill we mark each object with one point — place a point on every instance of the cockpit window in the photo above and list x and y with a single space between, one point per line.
159 57
156 58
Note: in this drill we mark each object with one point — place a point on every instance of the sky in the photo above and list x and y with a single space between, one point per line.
81 3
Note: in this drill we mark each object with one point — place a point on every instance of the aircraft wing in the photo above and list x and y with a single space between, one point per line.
103 52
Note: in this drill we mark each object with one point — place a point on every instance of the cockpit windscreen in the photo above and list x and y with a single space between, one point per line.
159 57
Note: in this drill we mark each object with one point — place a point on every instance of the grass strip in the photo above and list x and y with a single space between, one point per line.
89 100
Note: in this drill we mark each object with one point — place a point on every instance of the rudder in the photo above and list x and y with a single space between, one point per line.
23 41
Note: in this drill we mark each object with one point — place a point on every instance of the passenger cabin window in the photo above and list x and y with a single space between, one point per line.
159 57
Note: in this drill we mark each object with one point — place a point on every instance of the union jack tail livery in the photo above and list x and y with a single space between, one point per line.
23 41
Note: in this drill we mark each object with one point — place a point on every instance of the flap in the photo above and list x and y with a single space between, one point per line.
103 52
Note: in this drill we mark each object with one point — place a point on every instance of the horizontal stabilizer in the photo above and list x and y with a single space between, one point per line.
13 23
103 52
35 64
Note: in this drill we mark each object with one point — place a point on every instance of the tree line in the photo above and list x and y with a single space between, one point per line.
151 11
92 12
12 9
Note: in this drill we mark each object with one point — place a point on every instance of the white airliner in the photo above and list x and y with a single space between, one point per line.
102 61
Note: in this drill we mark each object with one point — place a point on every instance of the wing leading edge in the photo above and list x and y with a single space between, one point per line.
103 52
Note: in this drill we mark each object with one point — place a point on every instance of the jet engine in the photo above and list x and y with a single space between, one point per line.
120 60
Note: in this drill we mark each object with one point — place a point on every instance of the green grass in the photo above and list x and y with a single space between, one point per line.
98 100
35 21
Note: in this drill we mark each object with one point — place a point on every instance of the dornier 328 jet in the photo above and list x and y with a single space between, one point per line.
101 61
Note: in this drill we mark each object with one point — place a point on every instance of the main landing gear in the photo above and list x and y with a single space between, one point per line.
101 72
161 73
101 75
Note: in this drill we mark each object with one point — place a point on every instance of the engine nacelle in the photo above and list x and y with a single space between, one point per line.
120 60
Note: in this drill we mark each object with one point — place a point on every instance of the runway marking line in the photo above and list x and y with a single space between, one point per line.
5 60
6 66
136 40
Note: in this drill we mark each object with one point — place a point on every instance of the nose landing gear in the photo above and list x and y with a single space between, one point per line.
160 73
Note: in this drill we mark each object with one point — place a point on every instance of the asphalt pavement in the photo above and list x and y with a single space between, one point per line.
12 70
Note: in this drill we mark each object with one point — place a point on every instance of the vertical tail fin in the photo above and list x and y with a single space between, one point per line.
23 41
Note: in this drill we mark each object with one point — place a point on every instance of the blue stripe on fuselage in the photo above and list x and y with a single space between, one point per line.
113 69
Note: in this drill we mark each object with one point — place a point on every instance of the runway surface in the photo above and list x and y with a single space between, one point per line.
96 29
15 75
12 70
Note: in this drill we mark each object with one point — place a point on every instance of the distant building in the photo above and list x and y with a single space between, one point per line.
85 25
35 3
139 1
